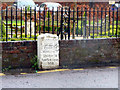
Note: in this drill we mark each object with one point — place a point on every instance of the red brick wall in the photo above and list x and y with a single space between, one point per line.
81 53
73 53
18 54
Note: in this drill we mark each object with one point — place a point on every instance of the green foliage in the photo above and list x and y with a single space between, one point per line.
100 36
3 31
109 32
47 15
6 69
50 28
79 30
19 38
14 22
28 8
84 14
112 32
34 62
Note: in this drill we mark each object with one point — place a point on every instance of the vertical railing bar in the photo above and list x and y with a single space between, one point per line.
113 23
16 21
44 21
109 24
39 20
81 20
25 22
11 22
73 36
65 24
48 20
105 21
52 20
93 20
77 22
59 12
61 31
89 20
21 22
57 23
6 23
35 23
101 20
30 22
69 25
117 23
1 22
85 20
97 19
66 12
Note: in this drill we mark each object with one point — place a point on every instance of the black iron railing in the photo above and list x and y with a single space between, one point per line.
66 23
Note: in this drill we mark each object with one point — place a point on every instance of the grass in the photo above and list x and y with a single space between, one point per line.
14 22
91 22
19 38
118 22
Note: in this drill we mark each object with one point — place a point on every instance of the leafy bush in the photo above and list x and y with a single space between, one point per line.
34 62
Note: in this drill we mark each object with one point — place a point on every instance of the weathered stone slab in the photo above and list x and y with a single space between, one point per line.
48 51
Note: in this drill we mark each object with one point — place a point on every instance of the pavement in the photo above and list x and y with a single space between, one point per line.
104 77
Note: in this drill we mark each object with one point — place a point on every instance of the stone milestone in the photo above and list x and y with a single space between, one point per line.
48 51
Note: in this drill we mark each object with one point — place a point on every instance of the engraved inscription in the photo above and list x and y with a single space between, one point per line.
48 51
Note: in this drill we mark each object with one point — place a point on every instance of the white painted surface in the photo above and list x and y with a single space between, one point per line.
48 51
